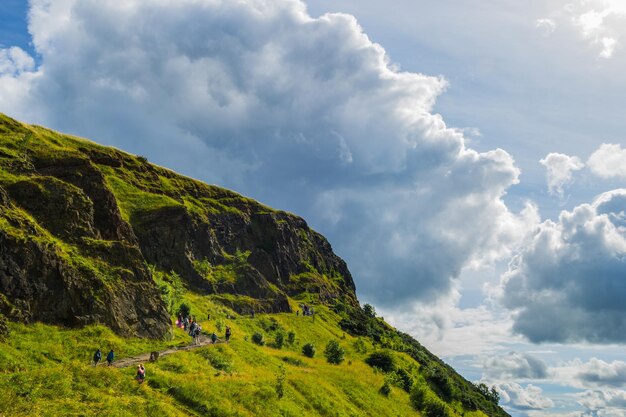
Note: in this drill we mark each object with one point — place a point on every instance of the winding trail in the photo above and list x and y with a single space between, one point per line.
145 357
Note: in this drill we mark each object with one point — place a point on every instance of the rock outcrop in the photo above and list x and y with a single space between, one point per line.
81 225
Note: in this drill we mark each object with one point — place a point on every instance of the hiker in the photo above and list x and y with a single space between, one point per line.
97 357
110 357
208 316
227 333
185 323
213 337
179 322
141 373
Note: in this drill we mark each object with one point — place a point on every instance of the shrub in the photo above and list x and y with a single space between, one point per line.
334 352
417 397
291 337
385 389
293 361
279 340
405 379
184 310
308 350
257 338
441 383
360 346
382 360
435 408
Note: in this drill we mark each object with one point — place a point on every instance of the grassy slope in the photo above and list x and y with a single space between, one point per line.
45 371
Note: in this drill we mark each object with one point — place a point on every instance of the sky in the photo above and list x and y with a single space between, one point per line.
467 160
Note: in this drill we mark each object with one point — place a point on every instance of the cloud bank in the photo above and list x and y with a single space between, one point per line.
567 284
306 114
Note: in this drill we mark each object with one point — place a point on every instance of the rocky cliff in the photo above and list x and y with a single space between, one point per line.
82 226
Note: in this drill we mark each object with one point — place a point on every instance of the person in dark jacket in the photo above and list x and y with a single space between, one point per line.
97 357
110 357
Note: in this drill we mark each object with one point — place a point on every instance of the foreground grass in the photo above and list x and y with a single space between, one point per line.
46 371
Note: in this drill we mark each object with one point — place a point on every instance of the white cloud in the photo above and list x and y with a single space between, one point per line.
453 331
547 26
608 161
528 398
514 365
14 61
601 373
606 403
304 113
567 283
559 169
600 22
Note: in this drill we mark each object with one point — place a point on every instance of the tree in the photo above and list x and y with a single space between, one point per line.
334 352
369 311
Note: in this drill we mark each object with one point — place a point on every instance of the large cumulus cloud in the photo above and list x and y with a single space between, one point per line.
306 114
568 282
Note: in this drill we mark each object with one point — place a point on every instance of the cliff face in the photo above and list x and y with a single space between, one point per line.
80 224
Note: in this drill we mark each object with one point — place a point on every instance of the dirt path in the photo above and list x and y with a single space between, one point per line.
145 357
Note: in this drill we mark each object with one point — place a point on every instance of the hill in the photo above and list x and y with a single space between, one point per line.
99 248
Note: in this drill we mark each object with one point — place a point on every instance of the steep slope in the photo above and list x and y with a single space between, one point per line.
90 235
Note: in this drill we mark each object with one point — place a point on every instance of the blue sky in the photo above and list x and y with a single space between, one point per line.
466 160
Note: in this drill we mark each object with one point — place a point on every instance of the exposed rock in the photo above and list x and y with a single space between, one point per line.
68 256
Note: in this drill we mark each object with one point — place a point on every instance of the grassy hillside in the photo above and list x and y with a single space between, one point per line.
99 249
46 371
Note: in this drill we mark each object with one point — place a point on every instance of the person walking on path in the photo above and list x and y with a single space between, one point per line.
97 357
110 357
141 373
227 334
213 337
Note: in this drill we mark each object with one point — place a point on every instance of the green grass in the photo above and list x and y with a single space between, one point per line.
45 370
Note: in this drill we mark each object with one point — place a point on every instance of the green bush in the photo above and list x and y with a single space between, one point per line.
385 389
293 361
291 337
382 360
184 310
308 350
405 379
418 396
435 408
440 383
279 340
334 352
257 339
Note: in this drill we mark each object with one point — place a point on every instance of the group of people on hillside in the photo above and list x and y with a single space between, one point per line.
189 324
306 310
97 357
194 329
